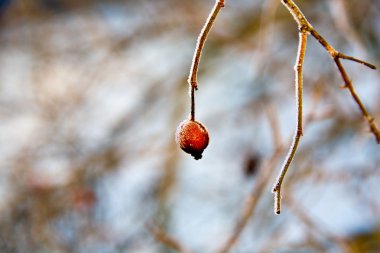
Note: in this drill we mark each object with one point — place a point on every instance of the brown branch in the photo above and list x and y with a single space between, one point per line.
251 201
192 102
369 65
201 41
336 55
314 225
354 94
298 68
266 171
161 236
192 80
341 18
274 125
305 28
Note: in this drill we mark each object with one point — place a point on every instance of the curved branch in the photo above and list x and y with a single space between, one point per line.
305 28
336 55
161 236
192 80
297 136
219 4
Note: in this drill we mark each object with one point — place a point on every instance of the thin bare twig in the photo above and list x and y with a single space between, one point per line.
336 55
274 125
298 68
369 65
314 225
193 83
266 171
159 234
192 103
341 18
305 28
350 87
163 237
252 199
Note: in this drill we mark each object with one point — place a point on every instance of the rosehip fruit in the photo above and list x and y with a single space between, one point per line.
192 137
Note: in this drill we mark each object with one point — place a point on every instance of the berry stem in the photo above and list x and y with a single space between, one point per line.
192 80
192 97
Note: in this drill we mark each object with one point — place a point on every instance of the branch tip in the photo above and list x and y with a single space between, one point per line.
302 43
350 58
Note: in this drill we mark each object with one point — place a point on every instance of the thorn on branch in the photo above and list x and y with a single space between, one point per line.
193 84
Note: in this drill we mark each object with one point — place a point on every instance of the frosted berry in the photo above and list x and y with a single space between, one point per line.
192 137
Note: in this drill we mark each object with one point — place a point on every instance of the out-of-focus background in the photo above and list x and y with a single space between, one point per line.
91 93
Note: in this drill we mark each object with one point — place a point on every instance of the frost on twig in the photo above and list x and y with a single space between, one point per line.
193 83
306 28
298 133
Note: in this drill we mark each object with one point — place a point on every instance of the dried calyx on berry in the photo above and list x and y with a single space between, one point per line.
192 137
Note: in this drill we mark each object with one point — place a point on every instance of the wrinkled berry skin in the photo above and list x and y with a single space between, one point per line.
192 137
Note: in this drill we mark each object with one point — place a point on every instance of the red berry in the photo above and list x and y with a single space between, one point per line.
192 137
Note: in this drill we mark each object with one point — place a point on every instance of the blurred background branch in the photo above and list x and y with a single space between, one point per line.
91 93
